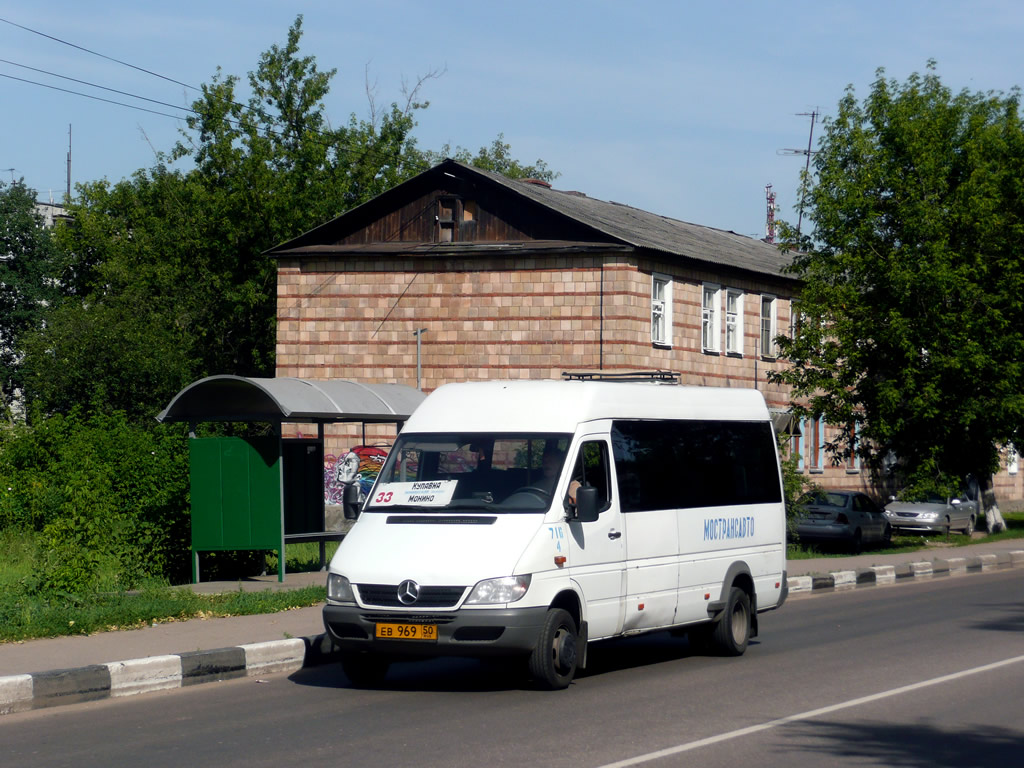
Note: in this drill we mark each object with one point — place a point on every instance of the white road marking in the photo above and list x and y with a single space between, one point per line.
689 746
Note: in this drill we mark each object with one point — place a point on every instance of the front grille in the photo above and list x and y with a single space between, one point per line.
386 595
408 618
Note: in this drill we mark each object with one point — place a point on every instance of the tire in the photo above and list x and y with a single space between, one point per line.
887 535
365 670
969 528
732 632
554 659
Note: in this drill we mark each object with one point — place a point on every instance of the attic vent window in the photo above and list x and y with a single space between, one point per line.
456 219
447 219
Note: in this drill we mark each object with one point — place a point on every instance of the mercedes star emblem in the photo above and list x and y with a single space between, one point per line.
408 592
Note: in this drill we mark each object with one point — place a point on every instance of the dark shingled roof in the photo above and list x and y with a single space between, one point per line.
643 229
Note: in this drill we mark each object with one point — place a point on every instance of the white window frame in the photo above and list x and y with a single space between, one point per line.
734 323
1012 461
767 346
711 317
661 309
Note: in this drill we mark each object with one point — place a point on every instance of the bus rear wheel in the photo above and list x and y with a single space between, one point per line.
732 632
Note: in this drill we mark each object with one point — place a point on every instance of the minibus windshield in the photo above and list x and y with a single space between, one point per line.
492 472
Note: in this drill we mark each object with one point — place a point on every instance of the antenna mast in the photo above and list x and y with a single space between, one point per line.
807 153
769 229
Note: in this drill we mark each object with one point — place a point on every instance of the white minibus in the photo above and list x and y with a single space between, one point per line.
531 518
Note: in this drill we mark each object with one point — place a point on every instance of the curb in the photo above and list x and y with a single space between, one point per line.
889 574
21 693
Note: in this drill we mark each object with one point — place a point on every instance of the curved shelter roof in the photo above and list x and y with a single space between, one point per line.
237 398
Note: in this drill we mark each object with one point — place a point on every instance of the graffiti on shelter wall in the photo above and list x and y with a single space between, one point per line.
360 465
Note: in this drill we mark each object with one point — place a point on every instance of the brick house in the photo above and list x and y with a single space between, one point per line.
463 274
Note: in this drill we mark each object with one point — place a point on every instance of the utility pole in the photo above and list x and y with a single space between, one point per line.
807 166
67 195
418 334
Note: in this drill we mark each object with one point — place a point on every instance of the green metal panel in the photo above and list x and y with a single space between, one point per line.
236 493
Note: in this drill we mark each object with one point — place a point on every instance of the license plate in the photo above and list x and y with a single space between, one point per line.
407 632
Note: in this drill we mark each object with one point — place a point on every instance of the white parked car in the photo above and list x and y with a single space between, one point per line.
933 513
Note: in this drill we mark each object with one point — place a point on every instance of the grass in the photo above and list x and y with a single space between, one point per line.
301 557
24 617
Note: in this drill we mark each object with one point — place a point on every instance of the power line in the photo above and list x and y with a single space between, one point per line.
94 85
363 152
89 96
101 55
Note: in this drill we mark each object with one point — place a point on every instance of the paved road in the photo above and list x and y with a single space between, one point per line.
860 675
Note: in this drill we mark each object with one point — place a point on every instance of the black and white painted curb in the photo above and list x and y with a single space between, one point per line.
19 693
890 574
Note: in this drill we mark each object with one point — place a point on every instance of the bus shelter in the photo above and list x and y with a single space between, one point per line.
258 493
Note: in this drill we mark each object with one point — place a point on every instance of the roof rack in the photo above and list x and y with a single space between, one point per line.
665 377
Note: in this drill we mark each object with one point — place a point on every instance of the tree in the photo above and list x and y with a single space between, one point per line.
26 282
497 158
911 329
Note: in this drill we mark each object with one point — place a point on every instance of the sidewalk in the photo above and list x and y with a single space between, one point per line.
53 671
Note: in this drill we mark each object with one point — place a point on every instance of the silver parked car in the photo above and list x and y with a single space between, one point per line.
850 518
933 513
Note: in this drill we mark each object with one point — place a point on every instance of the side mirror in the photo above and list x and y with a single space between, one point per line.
350 501
586 504
955 502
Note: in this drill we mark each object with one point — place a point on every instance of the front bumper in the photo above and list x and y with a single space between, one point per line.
914 524
477 632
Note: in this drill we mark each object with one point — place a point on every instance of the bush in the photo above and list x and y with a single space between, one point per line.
108 498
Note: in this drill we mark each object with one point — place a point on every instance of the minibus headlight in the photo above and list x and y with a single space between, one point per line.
339 589
507 589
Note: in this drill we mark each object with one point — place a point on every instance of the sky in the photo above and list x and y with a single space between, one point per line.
687 109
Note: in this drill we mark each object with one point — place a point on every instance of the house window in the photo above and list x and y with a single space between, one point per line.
768 327
853 459
734 322
710 322
1012 461
796 445
661 310
816 444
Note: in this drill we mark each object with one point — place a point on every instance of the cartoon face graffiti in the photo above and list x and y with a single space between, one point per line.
347 468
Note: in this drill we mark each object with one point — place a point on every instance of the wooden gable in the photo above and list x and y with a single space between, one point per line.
439 207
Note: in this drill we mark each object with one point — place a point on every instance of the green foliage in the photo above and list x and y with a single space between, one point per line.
27 616
26 286
911 313
497 158
107 498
